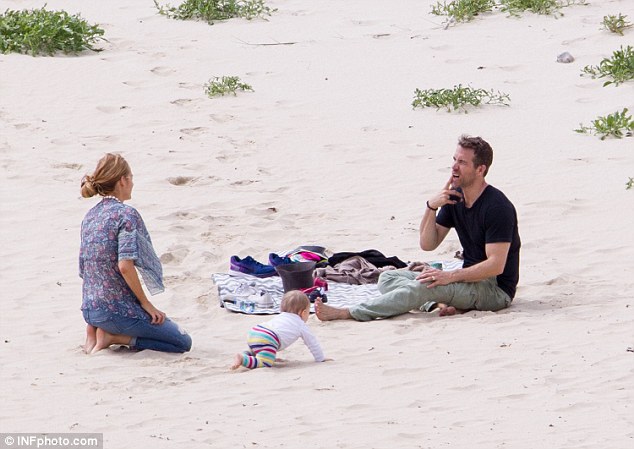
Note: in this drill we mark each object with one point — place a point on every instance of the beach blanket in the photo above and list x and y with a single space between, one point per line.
339 294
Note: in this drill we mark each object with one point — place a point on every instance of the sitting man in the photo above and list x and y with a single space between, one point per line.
486 224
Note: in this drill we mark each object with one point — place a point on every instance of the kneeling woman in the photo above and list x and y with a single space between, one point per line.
114 245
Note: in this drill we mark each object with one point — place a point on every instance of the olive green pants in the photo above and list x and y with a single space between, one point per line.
401 292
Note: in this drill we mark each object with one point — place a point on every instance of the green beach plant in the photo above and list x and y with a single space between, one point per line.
616 24
617 125
225 85
214 10
462 10
620 67
40 31
458 97
545 7
629 184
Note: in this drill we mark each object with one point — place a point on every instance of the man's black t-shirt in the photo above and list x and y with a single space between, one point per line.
491 219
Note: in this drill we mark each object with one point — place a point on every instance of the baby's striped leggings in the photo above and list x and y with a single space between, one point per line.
263 344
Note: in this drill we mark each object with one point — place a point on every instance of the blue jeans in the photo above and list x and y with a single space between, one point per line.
401 292
166 337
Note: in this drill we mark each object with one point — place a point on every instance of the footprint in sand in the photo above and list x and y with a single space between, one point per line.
62 142
210 258
108 139
163 71
262 212
182 101
111 109
135 83
221 118
194 131
182 180
174 255
190 86
184 215
244 182
70 166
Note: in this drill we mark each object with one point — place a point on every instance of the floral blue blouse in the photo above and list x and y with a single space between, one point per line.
112 231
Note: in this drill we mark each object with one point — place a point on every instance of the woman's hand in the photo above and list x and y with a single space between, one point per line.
129 273
157 316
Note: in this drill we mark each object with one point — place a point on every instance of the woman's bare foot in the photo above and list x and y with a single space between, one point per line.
328 313
237 361
105 339
91 338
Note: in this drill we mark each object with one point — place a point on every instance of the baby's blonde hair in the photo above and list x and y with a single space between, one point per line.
294 302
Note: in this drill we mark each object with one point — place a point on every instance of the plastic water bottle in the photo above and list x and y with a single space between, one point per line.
246 306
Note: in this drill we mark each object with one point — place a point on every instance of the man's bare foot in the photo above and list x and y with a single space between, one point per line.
237 361
328 313
105 339
445 310
91 338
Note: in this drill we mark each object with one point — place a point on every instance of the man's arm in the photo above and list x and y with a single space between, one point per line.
492 266
431 234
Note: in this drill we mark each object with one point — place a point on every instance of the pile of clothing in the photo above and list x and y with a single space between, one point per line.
358 268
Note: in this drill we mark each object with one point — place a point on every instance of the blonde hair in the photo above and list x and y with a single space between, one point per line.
110 169
294 302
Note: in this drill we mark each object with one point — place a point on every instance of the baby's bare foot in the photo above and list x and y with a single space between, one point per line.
237 361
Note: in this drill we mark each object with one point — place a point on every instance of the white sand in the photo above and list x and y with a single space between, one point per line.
327 150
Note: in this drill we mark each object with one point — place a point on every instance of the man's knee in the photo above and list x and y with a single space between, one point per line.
387 279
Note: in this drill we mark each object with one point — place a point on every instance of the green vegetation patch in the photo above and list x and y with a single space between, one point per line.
224 86
620 67
458 97
617 125
616 24
39 31
545 7
462 10
214 10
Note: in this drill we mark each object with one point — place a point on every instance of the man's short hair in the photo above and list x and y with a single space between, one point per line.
482 151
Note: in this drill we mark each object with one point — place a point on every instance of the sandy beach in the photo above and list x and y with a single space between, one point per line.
326 150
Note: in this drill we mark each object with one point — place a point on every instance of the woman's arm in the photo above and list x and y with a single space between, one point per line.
129 273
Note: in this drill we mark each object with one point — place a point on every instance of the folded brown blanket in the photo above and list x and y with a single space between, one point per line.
355 270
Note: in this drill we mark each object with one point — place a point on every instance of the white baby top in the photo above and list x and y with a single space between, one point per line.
289 327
